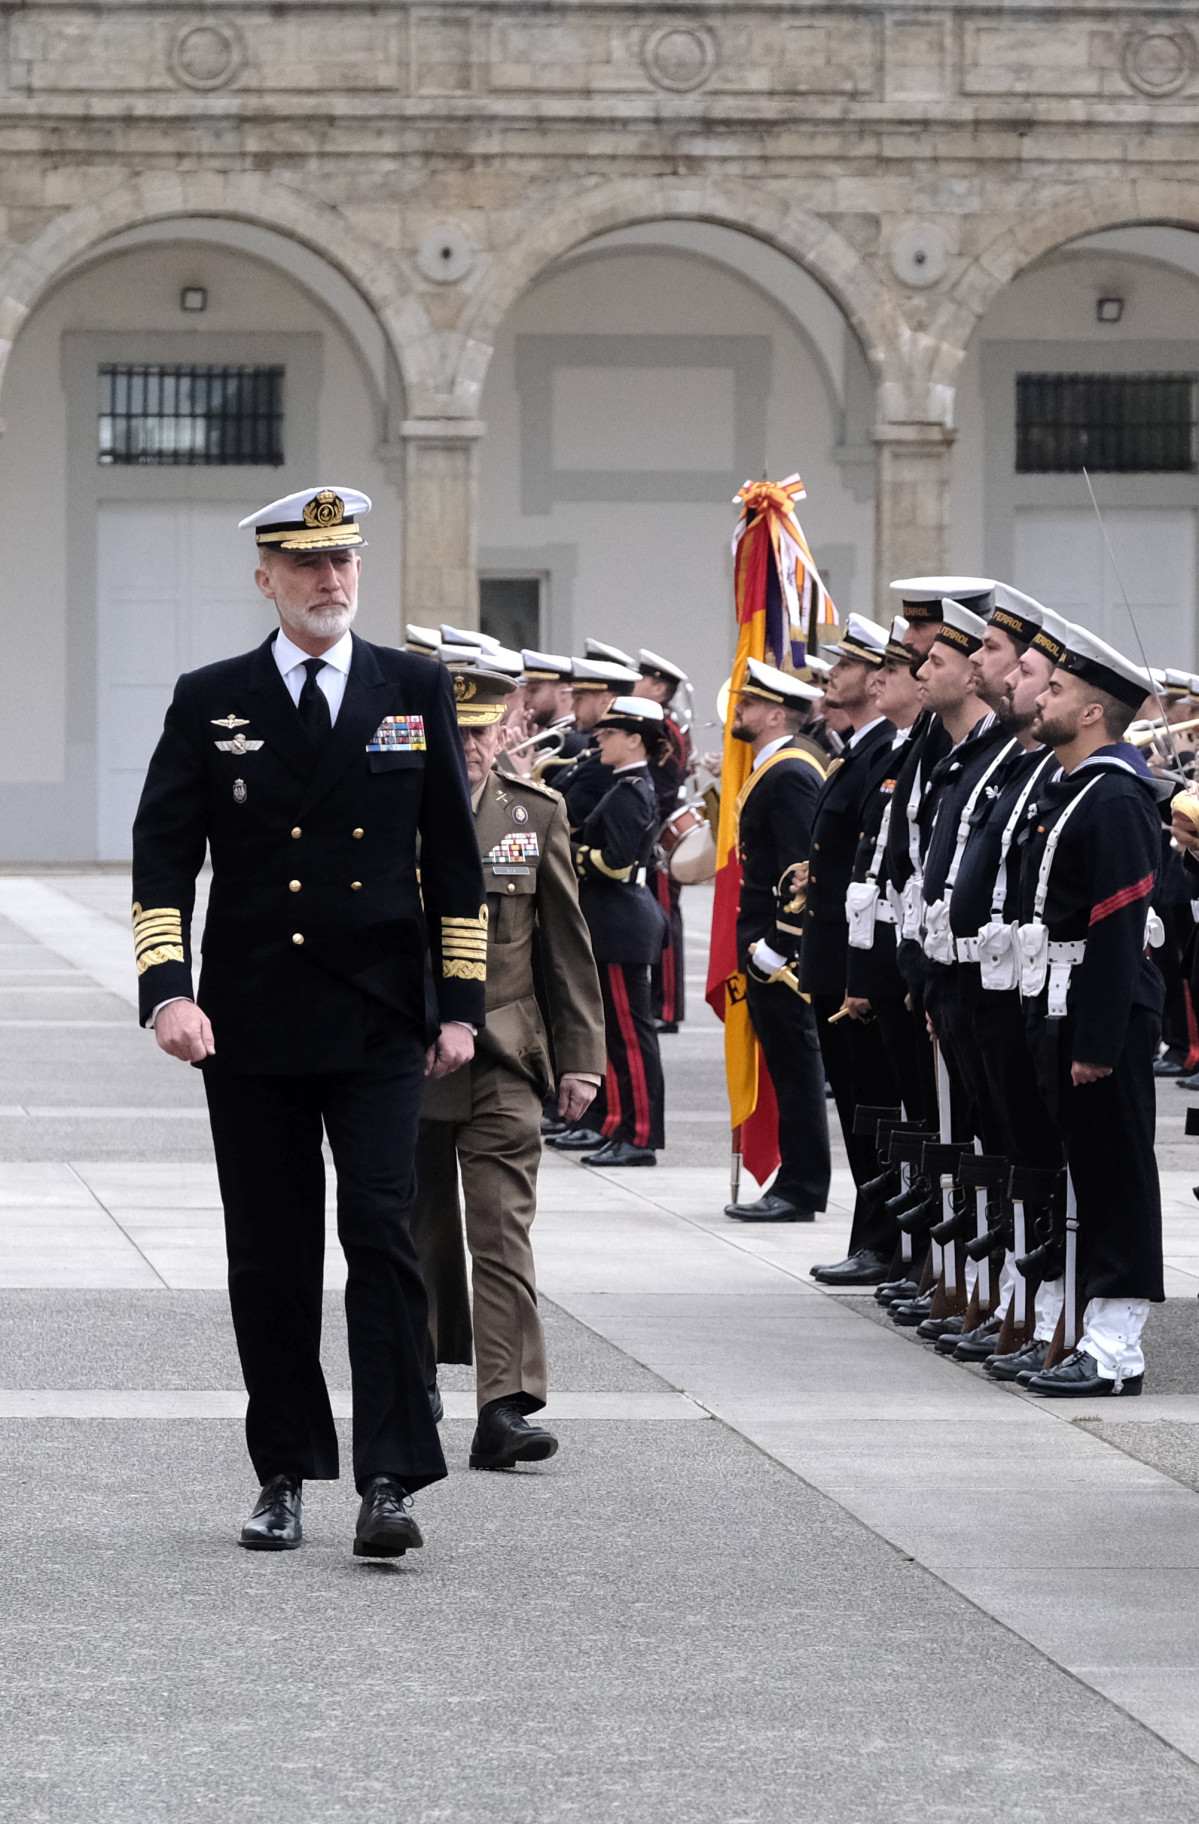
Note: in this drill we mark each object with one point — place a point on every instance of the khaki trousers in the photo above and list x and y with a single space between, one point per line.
498 1151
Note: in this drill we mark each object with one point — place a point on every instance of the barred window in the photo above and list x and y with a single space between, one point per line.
174 417
1115 424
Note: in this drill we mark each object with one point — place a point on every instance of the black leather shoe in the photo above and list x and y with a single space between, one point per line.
1029 1360
1078 1378
553 1124
504 1437
769 1208
1190 1082
1172 1063
861 1269
978 1345
911 1312
933 1327
384 1530
620 1152
892 1291
665 1028
274 1526
948 1340
576 1140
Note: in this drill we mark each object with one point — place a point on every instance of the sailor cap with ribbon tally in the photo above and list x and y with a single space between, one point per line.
315 519
639 715
463 636
652 665
895 646
425 640
860 639
922 596
601 674
1050 637
481 696
598 649
1015 614
960 627
1095 662
770 686
547 667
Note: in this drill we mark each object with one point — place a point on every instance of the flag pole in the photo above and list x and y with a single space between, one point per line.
735 1168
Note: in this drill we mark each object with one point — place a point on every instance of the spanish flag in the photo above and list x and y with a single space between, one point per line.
780 603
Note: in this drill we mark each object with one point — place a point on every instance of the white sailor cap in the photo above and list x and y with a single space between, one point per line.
602 674
1195 684
860 639
652 665
895 646
770 685
597 649
639 716
1095 662
960 627
468 636
814 669
313 519
1050 637
504 659
547 667
455 653
1015 614
923 595
1178 681
422 639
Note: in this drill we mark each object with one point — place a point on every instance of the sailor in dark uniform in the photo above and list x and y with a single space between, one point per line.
774 836
594 685
627 930
661 681
1092 851
332 981
855 1064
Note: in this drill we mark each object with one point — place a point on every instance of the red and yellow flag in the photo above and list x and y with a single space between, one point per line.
780 601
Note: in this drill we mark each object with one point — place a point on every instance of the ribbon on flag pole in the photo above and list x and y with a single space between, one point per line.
780 603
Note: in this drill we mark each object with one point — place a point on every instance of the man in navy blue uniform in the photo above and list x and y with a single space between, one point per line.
334 977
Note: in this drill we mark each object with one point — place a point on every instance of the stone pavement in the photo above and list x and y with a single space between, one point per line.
787 1564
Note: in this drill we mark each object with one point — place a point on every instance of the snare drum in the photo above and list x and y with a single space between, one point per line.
679 824
688 845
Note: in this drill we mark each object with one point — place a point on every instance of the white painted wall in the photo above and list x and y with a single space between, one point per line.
131 291
653 573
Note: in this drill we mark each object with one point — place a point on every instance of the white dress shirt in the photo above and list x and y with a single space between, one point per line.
771 747
332 679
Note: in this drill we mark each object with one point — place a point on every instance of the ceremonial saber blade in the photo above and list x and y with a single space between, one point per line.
1153 691
735 1167
1070 1324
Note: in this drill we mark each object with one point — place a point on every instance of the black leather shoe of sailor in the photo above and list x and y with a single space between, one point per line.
274 1525
384 1529
933 1327
893 1290
1078 1378
504 1438
622 1152
908 1313
1029 1360
978 1345
576 1140
864 1268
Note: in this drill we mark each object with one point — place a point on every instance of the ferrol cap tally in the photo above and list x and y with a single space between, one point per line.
1050 637
480 696
860 639
770 685
1016 614
547 667
922 596
314 519
960 627
1095 662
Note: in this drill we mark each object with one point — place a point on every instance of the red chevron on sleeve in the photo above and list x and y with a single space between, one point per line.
1127 896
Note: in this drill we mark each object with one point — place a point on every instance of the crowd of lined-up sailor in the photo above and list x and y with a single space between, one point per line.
995 879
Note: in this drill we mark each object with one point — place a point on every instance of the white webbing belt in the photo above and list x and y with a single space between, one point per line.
939 943
1041 960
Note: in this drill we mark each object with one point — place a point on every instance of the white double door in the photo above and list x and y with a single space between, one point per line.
175 589
1060 558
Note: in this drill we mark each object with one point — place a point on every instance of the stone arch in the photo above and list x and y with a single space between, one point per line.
1081 210
855 287
27 272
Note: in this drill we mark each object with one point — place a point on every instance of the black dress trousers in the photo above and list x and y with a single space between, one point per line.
634 1105
786 1029
267 1133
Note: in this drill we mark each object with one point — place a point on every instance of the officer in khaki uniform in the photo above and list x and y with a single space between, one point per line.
486 1120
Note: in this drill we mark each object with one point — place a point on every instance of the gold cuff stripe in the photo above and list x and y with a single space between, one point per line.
157 943
140 912
157 924
612 873
460 946
467 924
165 953
469 972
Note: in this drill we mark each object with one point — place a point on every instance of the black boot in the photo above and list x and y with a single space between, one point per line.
274 1525
503 1437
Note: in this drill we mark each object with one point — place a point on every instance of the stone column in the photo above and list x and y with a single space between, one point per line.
911 505
440 582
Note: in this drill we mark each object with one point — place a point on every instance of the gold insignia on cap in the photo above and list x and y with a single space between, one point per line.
464 688
324 509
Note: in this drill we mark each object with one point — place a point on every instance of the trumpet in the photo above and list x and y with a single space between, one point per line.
1145 737
554 734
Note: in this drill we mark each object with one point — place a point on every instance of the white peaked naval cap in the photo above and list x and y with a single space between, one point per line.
313 519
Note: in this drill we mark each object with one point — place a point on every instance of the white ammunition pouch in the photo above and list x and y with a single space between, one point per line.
938 938
1034 958
999 956
911 908
1063 959
861 911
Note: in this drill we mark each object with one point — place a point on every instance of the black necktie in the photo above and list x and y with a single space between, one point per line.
314 704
